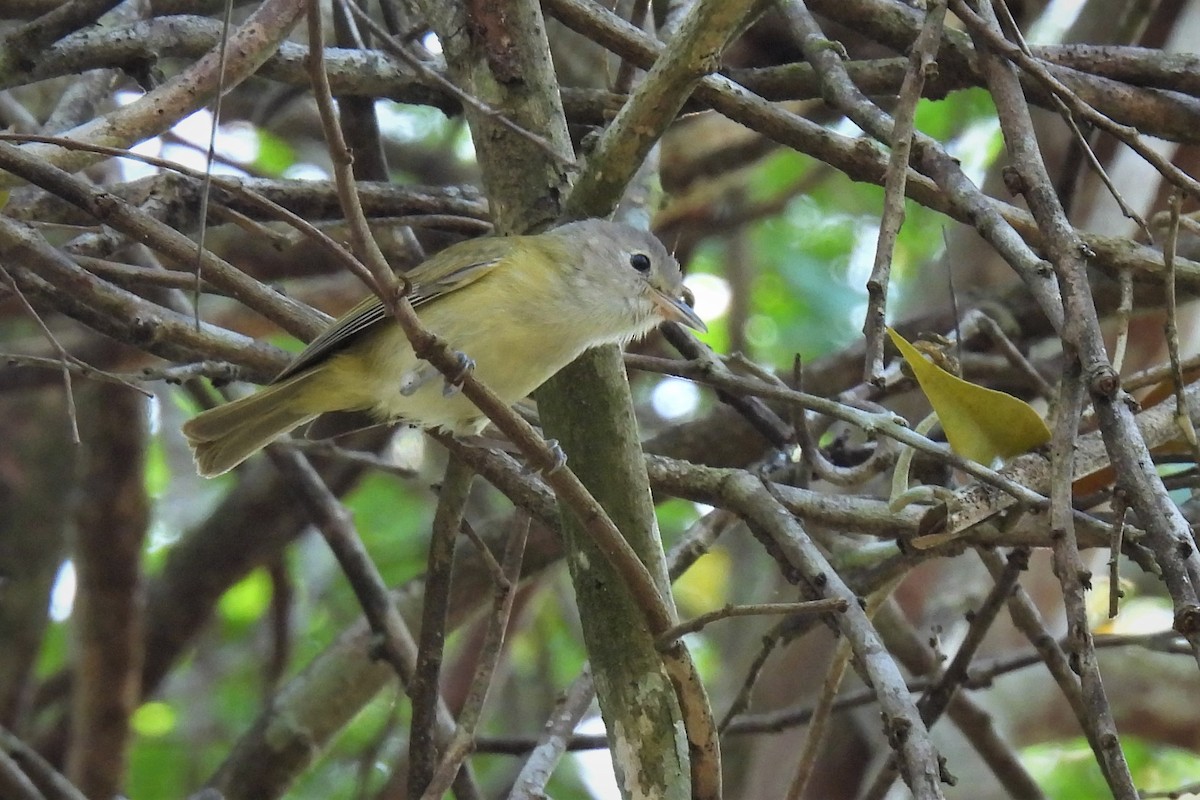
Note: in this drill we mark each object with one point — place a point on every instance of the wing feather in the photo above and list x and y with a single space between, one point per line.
434 278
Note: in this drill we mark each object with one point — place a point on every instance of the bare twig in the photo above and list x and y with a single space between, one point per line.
463 741
693 52
395 642
937 697
452 497
990 37
385 283
401 52
556 737
1171 332
50 784
291 315
65 359
696 624
157 110
206 184
901 720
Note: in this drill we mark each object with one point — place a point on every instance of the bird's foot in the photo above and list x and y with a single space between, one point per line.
454 382
558 459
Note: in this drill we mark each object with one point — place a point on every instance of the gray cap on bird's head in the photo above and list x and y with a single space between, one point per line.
634 261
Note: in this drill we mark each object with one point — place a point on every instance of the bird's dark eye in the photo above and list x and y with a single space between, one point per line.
640 262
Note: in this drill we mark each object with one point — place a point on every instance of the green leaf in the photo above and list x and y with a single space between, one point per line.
981 424
247 599
154 719
275 155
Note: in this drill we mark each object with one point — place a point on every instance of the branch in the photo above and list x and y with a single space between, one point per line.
902 724
1167 532
693 52
159 109
111 527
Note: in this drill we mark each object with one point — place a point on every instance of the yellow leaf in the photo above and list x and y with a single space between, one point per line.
981 424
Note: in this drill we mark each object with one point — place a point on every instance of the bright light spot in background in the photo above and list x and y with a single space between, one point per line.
305 172
62 596
860 264
712 294
674 398
761 331
161 536
153 413
432 43
1054 21
1139 616
464 148
595 766
407 123
136 170
847 127
195 128
977 147
154 719
237 142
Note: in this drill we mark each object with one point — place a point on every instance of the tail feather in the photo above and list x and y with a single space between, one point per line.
224 437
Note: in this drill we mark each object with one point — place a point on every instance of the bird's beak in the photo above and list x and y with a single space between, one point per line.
674 309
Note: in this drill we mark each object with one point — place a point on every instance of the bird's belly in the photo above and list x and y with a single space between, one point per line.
502 358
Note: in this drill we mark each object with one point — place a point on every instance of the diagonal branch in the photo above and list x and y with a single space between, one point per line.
694 51
158 110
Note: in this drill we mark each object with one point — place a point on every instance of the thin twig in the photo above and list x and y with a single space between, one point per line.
206 184
64 358
1125 133
1119 508
922 61
1122 318
289 314
270 208
902 724
398 49
464 737
546 752
1085 147
1168 533
698 623
1171 331
886 424
1075 580
990 328
938 695
396 644
452 497
385 282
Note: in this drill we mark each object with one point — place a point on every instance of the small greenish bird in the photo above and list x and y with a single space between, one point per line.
520 307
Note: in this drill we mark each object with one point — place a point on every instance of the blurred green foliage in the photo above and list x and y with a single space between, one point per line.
1067 770
274 155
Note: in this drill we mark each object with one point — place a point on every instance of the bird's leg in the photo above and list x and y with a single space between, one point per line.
454 382
558 459
415 378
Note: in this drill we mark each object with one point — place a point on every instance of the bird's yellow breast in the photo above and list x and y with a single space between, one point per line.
511 359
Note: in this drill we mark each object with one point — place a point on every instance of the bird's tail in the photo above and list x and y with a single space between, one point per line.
227 435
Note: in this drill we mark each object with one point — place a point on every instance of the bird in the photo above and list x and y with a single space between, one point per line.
518 309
